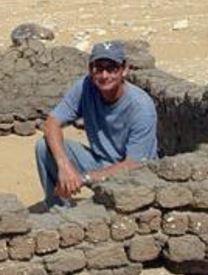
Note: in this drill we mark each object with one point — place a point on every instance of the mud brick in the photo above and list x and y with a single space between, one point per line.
47 241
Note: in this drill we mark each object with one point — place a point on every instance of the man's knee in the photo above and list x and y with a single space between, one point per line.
41 148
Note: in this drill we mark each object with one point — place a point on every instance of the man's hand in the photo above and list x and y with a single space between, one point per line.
69 180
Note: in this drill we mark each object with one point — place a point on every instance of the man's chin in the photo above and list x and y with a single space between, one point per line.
106 88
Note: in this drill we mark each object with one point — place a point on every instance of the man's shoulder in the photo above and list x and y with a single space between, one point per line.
82 80
78 86
137 95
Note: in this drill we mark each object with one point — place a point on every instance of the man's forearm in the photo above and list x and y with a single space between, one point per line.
54 137
97 175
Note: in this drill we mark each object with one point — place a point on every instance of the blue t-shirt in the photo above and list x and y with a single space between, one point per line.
123 130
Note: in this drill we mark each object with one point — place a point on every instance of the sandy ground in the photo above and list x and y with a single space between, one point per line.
18 171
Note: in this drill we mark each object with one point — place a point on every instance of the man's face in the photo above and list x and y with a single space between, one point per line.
108 77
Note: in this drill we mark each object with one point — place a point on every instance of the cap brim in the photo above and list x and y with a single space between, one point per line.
103 56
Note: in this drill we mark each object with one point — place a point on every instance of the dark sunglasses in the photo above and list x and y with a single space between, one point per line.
108 67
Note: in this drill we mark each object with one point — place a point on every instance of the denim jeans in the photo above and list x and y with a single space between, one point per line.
81 157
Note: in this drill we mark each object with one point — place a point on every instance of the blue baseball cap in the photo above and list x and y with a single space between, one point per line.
108 50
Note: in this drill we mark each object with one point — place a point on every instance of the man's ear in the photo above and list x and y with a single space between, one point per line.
90 67
125 70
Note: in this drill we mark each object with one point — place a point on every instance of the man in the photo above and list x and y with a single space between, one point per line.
120 122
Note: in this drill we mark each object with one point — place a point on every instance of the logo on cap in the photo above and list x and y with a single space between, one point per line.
107 45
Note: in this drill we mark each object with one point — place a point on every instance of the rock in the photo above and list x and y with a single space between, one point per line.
83 214
47 221
122 227
143 248
180 25
185 248
106 256
28 31
70 234
65 261
3 250
174 169
10 204
175 223
97 231
131 269
6 128
44 244
174 195
200 194
17 268
26 128
198 223
148 221
21 248
126 198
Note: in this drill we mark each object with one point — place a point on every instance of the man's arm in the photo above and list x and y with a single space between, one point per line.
68 178
100 175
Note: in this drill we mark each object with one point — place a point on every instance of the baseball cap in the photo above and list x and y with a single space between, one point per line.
108 50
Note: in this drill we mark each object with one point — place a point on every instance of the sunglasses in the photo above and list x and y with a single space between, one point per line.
108 67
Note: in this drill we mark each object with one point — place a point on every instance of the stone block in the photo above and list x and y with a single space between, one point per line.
175 223
10 204
46 221
12 224
174 169
17 268
200 194
148 221
65 262
106 256
97 231
122 227
83 214
190 267
70 234
21 248
6 128
24 128
130 198
185 248
101 272
200 171
131 269
3 250
174 196
47 242
144 248
6 118
198 223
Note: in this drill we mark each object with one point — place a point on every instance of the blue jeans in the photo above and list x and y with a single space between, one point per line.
81 157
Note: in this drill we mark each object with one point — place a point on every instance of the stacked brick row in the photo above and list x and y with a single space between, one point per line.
33 78
181 106
137 217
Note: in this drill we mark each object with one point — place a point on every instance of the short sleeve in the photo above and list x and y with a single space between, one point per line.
142 140
69 108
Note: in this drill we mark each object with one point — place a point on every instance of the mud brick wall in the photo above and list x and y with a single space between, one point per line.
138 217
182 110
